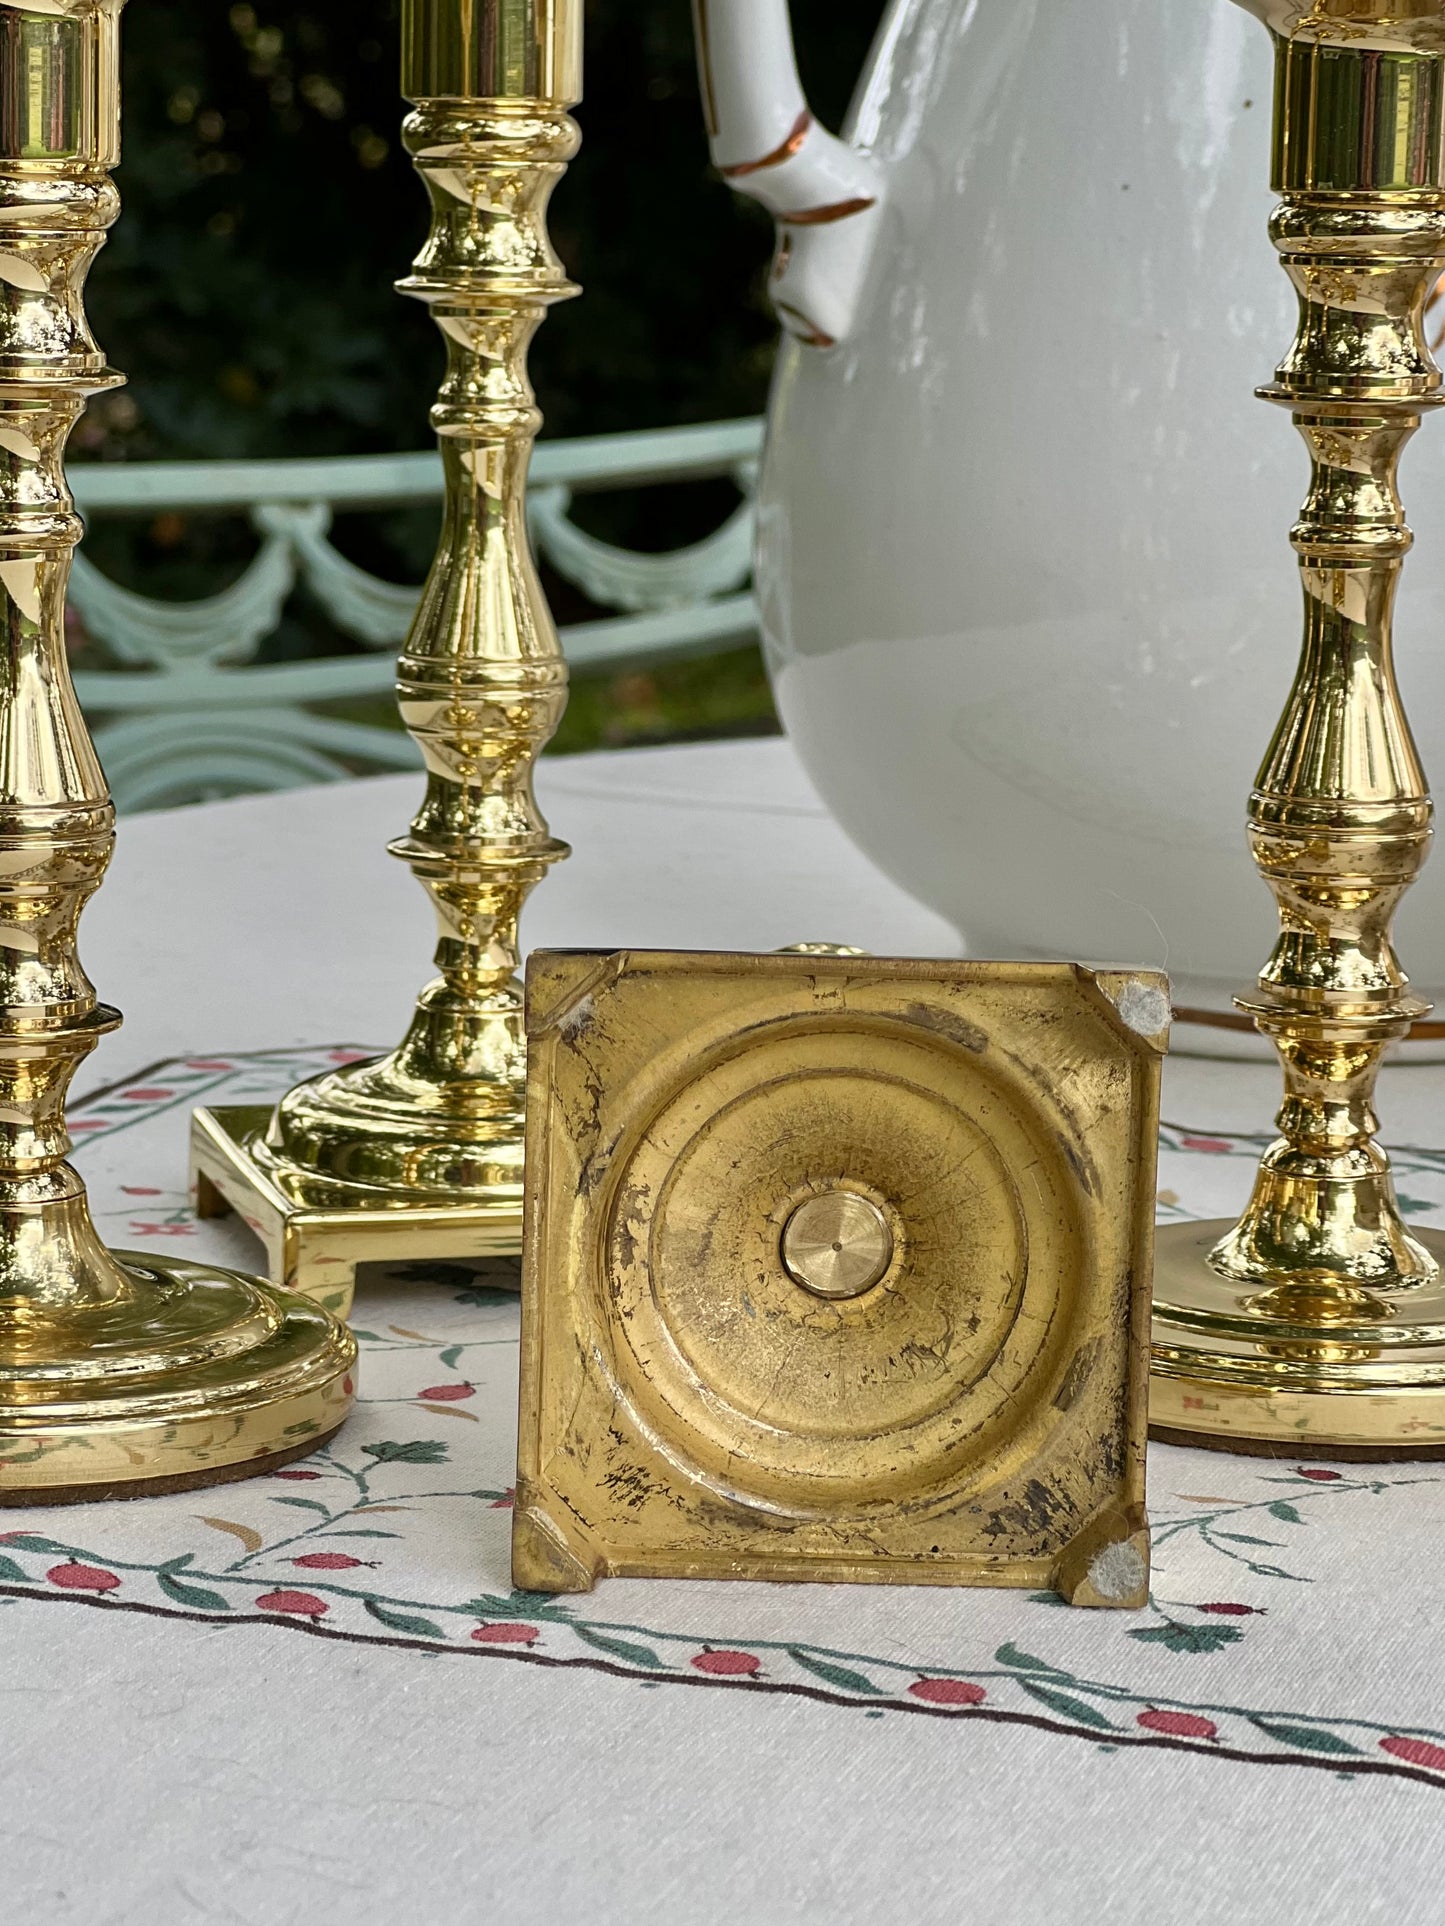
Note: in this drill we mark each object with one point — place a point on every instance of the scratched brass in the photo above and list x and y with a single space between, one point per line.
119 1372
1318 1320
837 1269
419 1153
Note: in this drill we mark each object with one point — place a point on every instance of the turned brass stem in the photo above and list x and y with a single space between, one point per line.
481 681
118 1371
1340 818
57 826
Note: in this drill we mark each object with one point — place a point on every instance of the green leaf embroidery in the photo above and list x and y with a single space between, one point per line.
839 1675
1025 1661
359 1534
304 1504
520 1605
195 1595
619 1648
11 1572
366 1337
1046 1598
176 1564
402 1621
1189 1638
27 1541
450 1355
423 1451
1309 1738
1241 1538
1066 1706
1279 1509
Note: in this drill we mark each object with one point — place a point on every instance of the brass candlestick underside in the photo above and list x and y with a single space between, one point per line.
1318 1321
838 1269
119 1373
419 1154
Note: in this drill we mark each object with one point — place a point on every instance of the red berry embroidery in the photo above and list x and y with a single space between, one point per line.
328 1561
296 1474
1418 1752
1215 1146
82 1578
1179 1725
448 1393
947 1692
727 1665
1222 1609
510 1632
1320 1476
298 1604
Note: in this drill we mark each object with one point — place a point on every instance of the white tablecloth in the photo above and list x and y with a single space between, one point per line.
254 1705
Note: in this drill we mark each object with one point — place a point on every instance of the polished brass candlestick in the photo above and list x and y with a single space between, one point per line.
1318 1321
419 1154
118 1372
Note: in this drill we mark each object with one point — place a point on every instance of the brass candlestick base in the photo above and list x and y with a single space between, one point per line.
150 1374
1294 1368
420 1153
315 1231
119 1373
1318 1321
837 1270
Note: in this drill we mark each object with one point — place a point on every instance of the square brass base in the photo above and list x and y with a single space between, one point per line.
837 1269
315 1234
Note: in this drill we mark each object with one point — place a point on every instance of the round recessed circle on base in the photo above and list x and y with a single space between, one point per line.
1235 1369
198 1376
837 1245
724 1211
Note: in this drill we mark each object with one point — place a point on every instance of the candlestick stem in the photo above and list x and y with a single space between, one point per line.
419 1153
1319 1316
119 1371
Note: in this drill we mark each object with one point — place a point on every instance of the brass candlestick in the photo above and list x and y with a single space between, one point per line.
1318 1321
419 1154
118 1372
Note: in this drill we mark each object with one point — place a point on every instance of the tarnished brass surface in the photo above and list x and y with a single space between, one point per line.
436 1127
837 1269
1317 1319
118 1372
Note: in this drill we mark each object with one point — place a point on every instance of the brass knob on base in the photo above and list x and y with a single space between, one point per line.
837 1245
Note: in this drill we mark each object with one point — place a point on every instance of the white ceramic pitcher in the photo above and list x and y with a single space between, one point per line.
1029 603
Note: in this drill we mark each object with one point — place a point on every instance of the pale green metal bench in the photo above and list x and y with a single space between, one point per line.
181 709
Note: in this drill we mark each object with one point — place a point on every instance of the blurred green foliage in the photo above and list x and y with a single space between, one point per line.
268 207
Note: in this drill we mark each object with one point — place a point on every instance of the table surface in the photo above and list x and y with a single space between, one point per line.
313 1698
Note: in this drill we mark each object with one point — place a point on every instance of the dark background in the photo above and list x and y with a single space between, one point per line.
267 209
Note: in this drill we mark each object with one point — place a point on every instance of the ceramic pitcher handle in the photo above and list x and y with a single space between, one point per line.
825 195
